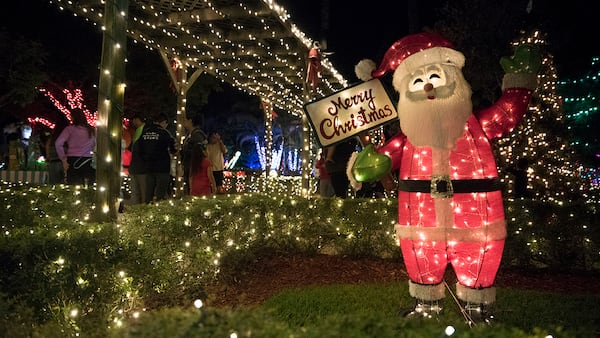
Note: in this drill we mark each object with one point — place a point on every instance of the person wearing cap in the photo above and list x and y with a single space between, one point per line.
450 209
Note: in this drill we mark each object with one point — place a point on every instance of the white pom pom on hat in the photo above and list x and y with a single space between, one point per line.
364 69
410 52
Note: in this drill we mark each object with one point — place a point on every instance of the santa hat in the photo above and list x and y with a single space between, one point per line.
410 52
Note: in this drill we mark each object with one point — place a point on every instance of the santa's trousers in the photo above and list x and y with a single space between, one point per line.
474 263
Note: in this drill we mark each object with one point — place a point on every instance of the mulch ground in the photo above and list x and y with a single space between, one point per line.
270 275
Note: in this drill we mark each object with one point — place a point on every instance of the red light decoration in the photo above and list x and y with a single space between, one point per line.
74 99
40 120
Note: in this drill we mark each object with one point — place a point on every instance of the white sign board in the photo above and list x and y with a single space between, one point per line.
350 111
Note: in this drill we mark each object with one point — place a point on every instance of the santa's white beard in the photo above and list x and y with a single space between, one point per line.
436 123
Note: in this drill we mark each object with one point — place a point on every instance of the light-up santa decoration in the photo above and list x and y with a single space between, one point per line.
450 208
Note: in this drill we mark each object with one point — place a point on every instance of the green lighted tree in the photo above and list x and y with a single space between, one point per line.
581 100
542 140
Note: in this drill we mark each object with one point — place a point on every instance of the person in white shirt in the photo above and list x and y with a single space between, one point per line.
216 154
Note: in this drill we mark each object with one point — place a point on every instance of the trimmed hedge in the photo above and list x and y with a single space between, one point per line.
61 270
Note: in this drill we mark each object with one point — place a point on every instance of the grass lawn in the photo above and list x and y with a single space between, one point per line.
372 310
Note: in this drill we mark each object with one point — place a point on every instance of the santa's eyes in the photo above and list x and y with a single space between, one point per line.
434 77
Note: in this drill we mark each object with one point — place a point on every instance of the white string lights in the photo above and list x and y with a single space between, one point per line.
252 45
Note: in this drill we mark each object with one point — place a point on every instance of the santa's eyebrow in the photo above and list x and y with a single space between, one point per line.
433 67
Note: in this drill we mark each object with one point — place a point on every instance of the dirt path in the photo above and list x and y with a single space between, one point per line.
271 275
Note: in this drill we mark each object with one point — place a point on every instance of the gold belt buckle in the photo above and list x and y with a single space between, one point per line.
441 186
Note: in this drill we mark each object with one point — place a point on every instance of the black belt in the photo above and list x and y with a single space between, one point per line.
443 187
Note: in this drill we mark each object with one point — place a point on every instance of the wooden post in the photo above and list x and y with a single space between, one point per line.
181 84
268 110
110 110
307 135
306 156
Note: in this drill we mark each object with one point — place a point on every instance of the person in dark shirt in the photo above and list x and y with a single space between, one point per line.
520 173
336 162
56 172
152 156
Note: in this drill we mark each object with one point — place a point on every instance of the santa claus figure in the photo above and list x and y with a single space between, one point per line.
450 207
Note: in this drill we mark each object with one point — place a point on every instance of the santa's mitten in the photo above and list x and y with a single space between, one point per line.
521 69
370 166
526 60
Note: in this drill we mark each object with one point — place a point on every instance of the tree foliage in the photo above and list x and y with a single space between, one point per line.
482 30
22 69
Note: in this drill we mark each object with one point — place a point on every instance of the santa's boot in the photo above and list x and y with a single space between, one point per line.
429 300
477 304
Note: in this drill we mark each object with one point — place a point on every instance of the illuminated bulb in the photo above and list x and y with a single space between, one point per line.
198 303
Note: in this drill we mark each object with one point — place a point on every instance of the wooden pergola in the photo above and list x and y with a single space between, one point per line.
252 45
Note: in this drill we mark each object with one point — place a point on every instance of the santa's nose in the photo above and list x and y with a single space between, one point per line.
428 87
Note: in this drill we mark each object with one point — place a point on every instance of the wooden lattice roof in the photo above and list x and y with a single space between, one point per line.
252 44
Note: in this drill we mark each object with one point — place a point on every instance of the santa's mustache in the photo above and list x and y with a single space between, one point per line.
439 93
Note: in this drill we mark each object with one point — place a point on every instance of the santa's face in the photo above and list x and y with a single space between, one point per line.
434 105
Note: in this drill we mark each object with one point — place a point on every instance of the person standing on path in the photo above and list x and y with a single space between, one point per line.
135 178
56 172
325 186
155 147
195 136
202 180
216 151
335 163
75 147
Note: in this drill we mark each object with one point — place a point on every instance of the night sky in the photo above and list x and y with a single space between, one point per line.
352 31
367 29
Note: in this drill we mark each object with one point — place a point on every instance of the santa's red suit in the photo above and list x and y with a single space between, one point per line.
450 208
